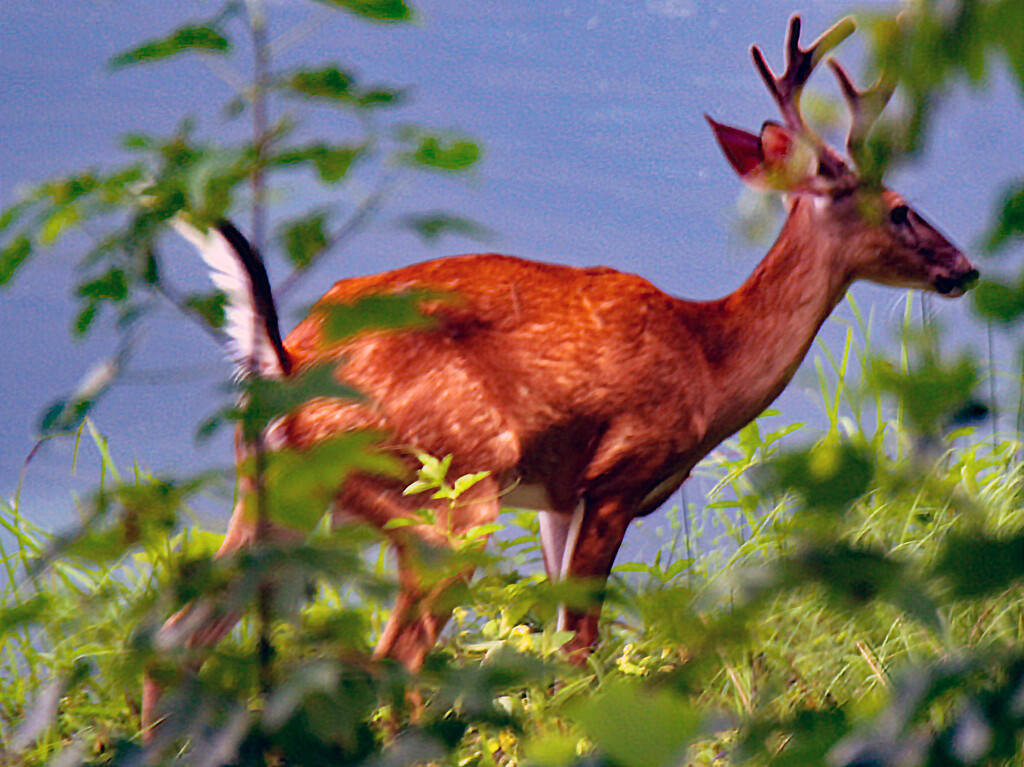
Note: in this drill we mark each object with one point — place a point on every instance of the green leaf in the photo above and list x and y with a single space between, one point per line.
302 484
303 239
998 301
59 220
931 391
466 481
439 154
13 213
1010 224
211 425
432 226
209 306
632 567
330 83
202 39
1008 26
397 522
384 311
481 531
332 163
112 286
980 564
268 398
84 319
828 477
419 486
14 254
374 10
19 614
637 725
380 97
64 416
855 576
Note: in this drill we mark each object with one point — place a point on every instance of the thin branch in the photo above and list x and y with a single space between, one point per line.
226 75
175 299
160 376
260 123
370 204
299 32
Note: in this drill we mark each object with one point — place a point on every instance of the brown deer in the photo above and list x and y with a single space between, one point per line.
589 391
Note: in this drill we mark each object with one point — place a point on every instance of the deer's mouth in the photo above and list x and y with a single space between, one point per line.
957 286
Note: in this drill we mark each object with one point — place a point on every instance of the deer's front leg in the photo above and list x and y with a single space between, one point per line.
601 531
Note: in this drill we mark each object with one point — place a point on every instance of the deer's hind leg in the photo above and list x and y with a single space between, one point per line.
427 582
203 623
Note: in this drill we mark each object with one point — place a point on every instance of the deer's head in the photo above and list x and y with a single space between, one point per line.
882 239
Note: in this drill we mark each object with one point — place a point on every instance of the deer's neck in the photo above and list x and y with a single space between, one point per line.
763 331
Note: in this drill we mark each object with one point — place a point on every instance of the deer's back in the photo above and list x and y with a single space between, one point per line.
527 363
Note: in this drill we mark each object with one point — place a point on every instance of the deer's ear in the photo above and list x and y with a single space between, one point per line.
741 149
777 159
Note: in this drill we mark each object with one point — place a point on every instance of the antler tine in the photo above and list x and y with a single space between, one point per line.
786 89
865 105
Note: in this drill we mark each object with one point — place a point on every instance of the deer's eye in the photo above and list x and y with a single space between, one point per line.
899 215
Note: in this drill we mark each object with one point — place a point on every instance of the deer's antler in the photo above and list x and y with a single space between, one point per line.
865 106
787 88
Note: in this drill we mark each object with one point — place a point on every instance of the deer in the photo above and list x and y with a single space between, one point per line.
588 392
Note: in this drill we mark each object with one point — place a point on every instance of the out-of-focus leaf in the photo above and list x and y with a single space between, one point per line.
1010 224
64 416
827 477
979 564
209 306
553 748
302 484
304 239
202 39
212 424
112 286
20 613
998 301
331 162
60 220
331 83
67 190
438 153
124 517
638 726
382 311
266 399
931 391
84 319
380 97
809 736
13 213
375 10
13 255
1008 25
432 226
855 576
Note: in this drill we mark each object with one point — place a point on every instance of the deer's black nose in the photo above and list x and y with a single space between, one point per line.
968 280
956 286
